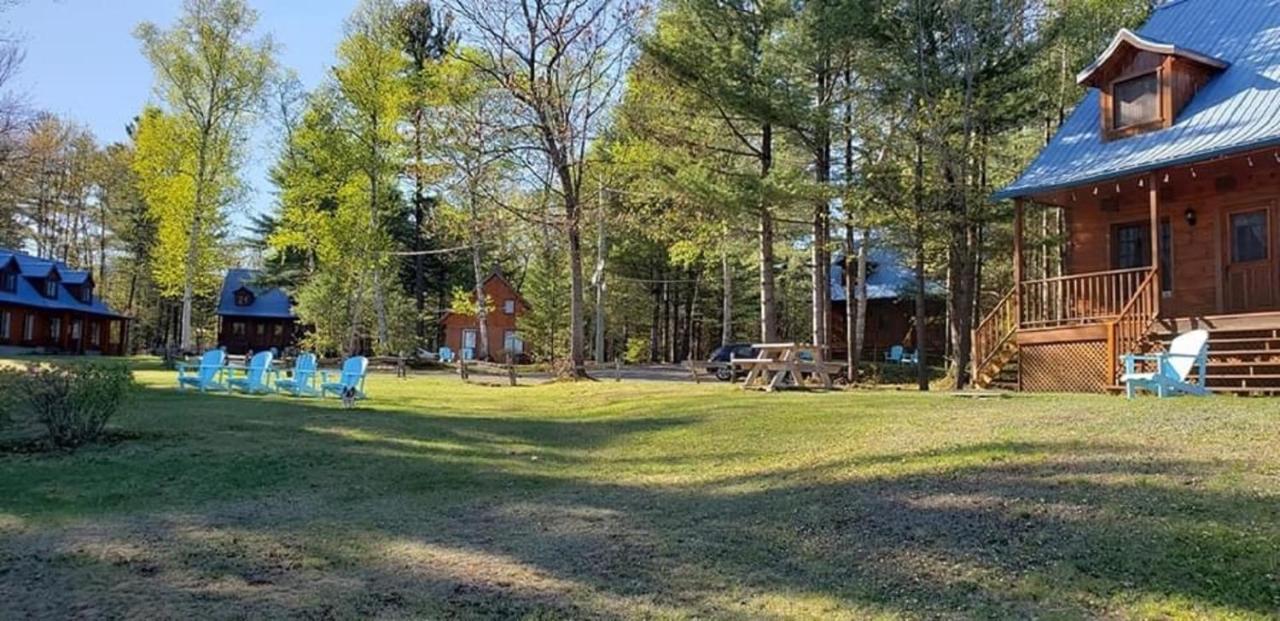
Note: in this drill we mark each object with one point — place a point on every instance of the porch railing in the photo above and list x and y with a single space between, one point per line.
1079 299
1126 333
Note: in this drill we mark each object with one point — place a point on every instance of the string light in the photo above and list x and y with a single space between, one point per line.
1193 173
1250 159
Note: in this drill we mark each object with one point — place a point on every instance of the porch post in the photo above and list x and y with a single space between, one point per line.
1018 205
1153 198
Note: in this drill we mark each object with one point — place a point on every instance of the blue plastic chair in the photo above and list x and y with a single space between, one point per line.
255 379
468 353
304 378
206 375
1188 351
352 376
446 354
894 354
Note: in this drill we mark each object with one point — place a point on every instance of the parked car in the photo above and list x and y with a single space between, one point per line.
718 363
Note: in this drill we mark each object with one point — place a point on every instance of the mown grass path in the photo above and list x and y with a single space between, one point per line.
651 499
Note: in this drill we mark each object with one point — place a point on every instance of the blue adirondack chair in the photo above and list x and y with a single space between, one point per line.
468 353
304 378
206 375
446 355
351 376
1172 368
255 378
894 354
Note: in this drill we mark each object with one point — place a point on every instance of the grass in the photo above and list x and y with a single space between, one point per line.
650 499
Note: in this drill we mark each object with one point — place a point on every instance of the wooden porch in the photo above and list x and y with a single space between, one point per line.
1147 257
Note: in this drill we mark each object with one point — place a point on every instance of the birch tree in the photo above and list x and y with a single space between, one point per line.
211 75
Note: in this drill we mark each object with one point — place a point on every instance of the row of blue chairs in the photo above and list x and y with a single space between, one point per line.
447 354
260 377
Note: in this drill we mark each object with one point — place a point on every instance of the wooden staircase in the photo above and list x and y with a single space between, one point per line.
995 347
1242 360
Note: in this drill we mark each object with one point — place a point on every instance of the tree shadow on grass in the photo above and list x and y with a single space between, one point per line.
446 516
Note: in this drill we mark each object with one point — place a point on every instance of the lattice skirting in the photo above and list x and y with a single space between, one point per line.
1077 366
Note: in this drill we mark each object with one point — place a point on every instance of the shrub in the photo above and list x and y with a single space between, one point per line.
75 401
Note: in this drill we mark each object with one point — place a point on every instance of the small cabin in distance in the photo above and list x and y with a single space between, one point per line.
252 317
1168 178
48 307
462 332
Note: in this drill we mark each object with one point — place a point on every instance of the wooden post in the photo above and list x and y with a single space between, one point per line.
511 370
693 368
1153 197
617 369
1018 207
462 368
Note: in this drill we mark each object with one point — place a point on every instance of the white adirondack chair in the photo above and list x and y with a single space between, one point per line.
1187 351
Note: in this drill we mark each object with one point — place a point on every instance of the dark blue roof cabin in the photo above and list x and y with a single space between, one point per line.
47 284
254 318
1167 179
240 297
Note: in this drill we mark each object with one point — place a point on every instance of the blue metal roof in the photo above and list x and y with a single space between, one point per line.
1235 112
888 277
36 268
268 302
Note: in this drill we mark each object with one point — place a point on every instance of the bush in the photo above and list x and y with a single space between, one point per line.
75 401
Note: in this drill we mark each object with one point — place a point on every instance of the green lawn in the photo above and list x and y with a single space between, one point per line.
651 500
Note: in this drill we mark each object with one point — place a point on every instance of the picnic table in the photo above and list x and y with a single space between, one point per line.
784 365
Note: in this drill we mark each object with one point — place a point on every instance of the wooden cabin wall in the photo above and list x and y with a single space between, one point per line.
1198 256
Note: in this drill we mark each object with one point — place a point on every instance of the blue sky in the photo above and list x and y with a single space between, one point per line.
84 64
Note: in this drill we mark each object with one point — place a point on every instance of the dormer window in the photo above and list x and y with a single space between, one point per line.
1143 84
8 281
244 297
50 288
1136 101
86 293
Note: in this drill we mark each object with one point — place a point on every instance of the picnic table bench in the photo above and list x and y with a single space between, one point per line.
784 365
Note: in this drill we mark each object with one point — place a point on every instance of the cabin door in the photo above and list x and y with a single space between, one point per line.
1249 281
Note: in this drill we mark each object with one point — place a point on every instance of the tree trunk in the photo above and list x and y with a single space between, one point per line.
726 308
419 217
768 304
477 269
577 349
193 246
602 251
922 313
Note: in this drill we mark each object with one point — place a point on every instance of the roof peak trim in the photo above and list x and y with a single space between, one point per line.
1126 36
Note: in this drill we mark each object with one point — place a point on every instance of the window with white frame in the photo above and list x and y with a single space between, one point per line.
29 328
509 307
6 321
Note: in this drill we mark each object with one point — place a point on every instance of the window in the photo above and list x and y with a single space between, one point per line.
86 294
55 328
509 307
469 339
260 328
50 288
237 328
6 320
244 297
512 343
1248 236
95 334
1131 246
8 281
1136 101
75 330
29 328
278 329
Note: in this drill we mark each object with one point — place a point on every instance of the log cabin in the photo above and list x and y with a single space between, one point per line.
891 308
1167 176
253 317
505 307
47 307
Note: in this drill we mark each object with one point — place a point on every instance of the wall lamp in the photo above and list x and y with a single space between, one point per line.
1190 215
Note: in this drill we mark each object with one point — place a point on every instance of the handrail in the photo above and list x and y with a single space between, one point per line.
1131 270
1000 325
1130 327
1078 299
